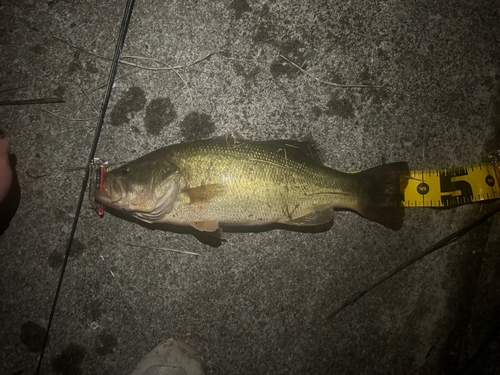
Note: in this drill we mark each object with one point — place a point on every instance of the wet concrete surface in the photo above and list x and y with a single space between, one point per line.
258 303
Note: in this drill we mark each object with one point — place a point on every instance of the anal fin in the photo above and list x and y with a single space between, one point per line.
315 219
206 226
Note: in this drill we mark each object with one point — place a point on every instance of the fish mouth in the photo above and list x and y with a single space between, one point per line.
112 194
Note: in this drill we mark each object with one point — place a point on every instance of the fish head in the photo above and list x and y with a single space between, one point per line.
145 188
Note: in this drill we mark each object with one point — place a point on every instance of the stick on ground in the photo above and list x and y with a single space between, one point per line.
32 101
326 82
160 248
165 65
67 118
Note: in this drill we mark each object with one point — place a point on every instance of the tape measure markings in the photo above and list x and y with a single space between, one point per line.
453 187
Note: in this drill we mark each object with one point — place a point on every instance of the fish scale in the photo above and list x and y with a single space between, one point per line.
261 186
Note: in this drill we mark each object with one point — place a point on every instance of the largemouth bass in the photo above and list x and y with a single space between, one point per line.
211 183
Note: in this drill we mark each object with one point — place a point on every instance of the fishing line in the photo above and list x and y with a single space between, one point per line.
127 15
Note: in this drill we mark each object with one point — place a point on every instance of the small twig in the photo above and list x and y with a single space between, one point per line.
121 61
201 59
54 173
302 68
32 101
77 110
160 248
36 176
82 49
185 84
90 99
105 84
240 60
174 69
69 119
445 241
166 66
95 40
130 300
325 82
104 260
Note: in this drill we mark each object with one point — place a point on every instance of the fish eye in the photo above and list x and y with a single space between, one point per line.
125 170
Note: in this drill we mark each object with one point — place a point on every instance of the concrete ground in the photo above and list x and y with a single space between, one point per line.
257 304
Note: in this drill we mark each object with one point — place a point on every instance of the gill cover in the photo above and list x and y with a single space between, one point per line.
146 188
161 201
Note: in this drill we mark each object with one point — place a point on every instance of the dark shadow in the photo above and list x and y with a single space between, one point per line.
9 205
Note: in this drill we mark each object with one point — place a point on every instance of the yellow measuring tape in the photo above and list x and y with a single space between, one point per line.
453 187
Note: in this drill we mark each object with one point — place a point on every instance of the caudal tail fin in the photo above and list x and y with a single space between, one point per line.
383 194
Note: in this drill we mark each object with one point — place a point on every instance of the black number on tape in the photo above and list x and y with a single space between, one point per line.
423 188
490 181
448 187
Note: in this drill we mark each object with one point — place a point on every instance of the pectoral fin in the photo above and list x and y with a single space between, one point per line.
206 226
204 193
315 219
